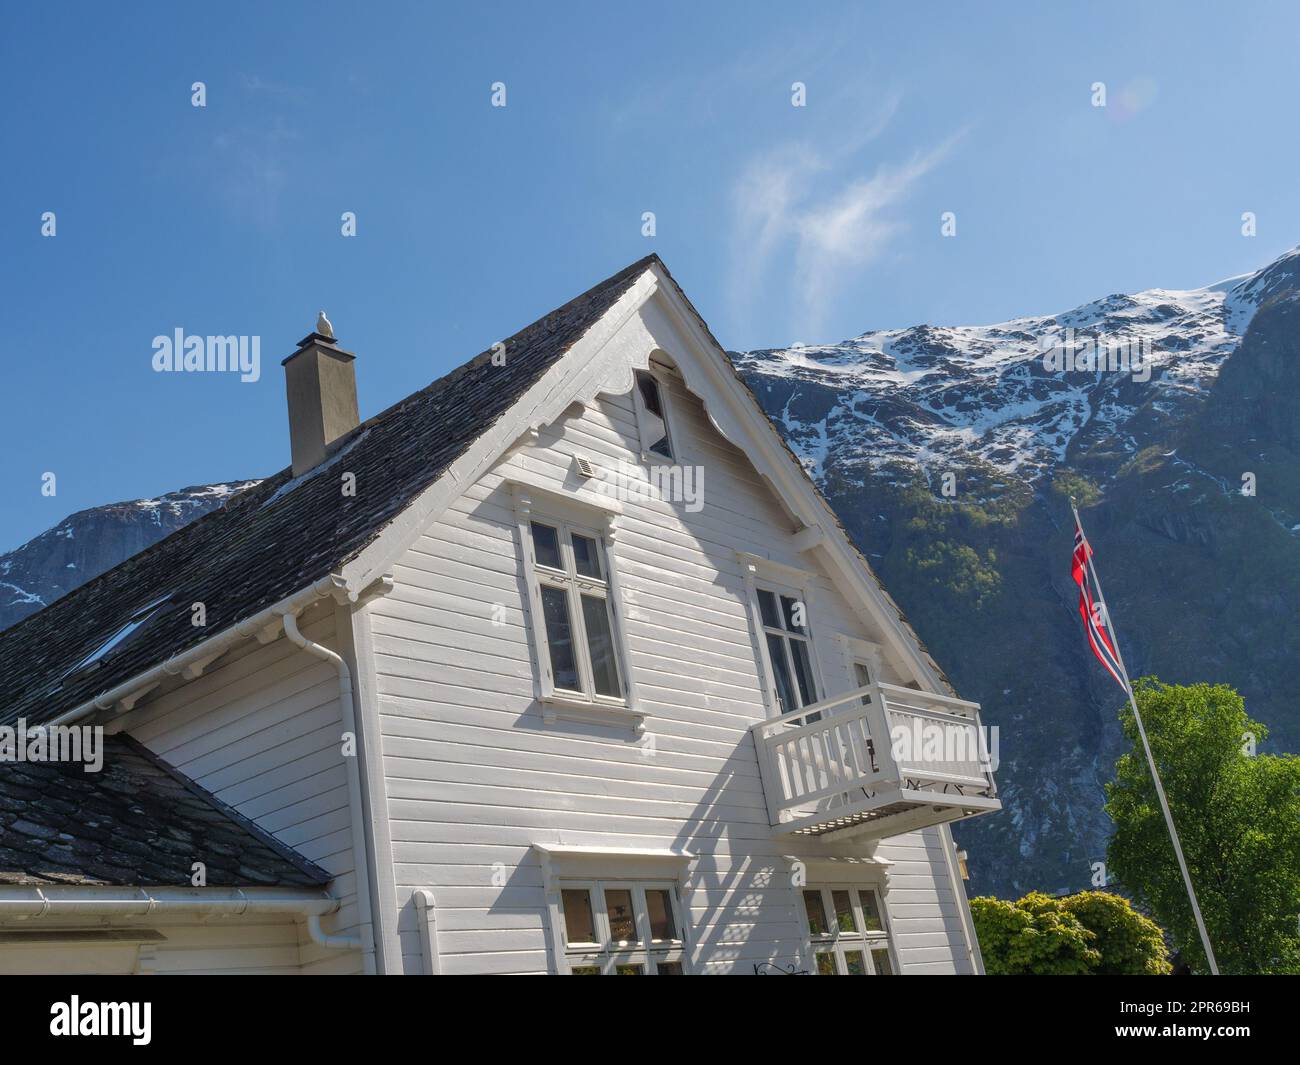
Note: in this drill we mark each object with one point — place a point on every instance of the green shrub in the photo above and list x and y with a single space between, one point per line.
1092 933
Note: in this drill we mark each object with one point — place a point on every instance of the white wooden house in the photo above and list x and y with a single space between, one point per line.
561 665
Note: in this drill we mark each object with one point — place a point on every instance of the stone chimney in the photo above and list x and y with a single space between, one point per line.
321 384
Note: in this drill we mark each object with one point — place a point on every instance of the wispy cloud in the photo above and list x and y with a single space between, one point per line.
817 211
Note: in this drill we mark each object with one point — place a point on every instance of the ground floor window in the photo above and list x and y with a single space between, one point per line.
622 928
848 931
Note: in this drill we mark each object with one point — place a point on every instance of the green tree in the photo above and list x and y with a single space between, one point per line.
1129 943
1091 933
1032 937
1238 816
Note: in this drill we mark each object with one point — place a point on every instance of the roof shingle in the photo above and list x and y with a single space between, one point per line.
136 822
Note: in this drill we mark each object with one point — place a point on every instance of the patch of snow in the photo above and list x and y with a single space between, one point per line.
21 594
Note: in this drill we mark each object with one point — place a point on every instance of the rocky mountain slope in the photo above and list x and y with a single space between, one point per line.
87 543
950 453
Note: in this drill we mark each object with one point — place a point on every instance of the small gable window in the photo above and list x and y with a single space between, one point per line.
652 417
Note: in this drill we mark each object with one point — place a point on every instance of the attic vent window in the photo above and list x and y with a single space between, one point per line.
136 621
652 417
586 469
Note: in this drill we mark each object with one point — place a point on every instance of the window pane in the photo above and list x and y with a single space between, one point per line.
586 558
629 970
781 673
650 393
863 677
844 911
660 910
585 970
579 924
855 963
826 964
656 427
600 645
669 968
622 918
803 671
880 956
559 638
546 545
788 606
871 912
812 904
767 608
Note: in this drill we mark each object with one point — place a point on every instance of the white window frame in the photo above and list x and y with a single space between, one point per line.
597 868
567 517
781 580
838 943
608 954
858 651
643 417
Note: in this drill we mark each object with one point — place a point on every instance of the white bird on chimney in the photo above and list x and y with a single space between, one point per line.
323 326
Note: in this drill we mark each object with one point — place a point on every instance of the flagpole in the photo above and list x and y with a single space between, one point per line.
1146 746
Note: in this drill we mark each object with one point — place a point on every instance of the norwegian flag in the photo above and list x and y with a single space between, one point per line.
1093 612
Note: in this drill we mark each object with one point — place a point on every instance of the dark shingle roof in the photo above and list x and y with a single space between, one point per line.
265 544
136 822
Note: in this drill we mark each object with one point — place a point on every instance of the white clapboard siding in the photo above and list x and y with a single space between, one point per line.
474 776
261 730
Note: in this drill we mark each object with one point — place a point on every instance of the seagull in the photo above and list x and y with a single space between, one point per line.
324 326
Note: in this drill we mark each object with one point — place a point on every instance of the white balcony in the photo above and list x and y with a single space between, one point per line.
875 761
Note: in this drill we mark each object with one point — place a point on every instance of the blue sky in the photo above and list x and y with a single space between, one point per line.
783 224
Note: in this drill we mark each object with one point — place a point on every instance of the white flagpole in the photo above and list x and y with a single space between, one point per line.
1146 746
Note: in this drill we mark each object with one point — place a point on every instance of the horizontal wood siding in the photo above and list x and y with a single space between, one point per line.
474 776
261 730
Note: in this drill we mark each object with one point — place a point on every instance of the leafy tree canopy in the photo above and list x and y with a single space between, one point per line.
1237 814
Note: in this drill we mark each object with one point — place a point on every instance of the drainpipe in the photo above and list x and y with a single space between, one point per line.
361 859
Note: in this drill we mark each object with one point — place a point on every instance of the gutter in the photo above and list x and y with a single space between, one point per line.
35 903
195 658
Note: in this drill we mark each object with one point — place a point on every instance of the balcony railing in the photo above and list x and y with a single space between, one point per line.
875 761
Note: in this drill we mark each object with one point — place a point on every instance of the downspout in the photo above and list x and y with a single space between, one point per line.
361 860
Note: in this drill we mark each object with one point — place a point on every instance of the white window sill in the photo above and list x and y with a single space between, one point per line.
558 707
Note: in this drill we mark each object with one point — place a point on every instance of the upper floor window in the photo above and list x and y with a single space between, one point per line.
789 654
652 417
848 931
622 928
575 615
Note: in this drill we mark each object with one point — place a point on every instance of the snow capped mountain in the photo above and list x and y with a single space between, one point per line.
1008 395
91 541
949 453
